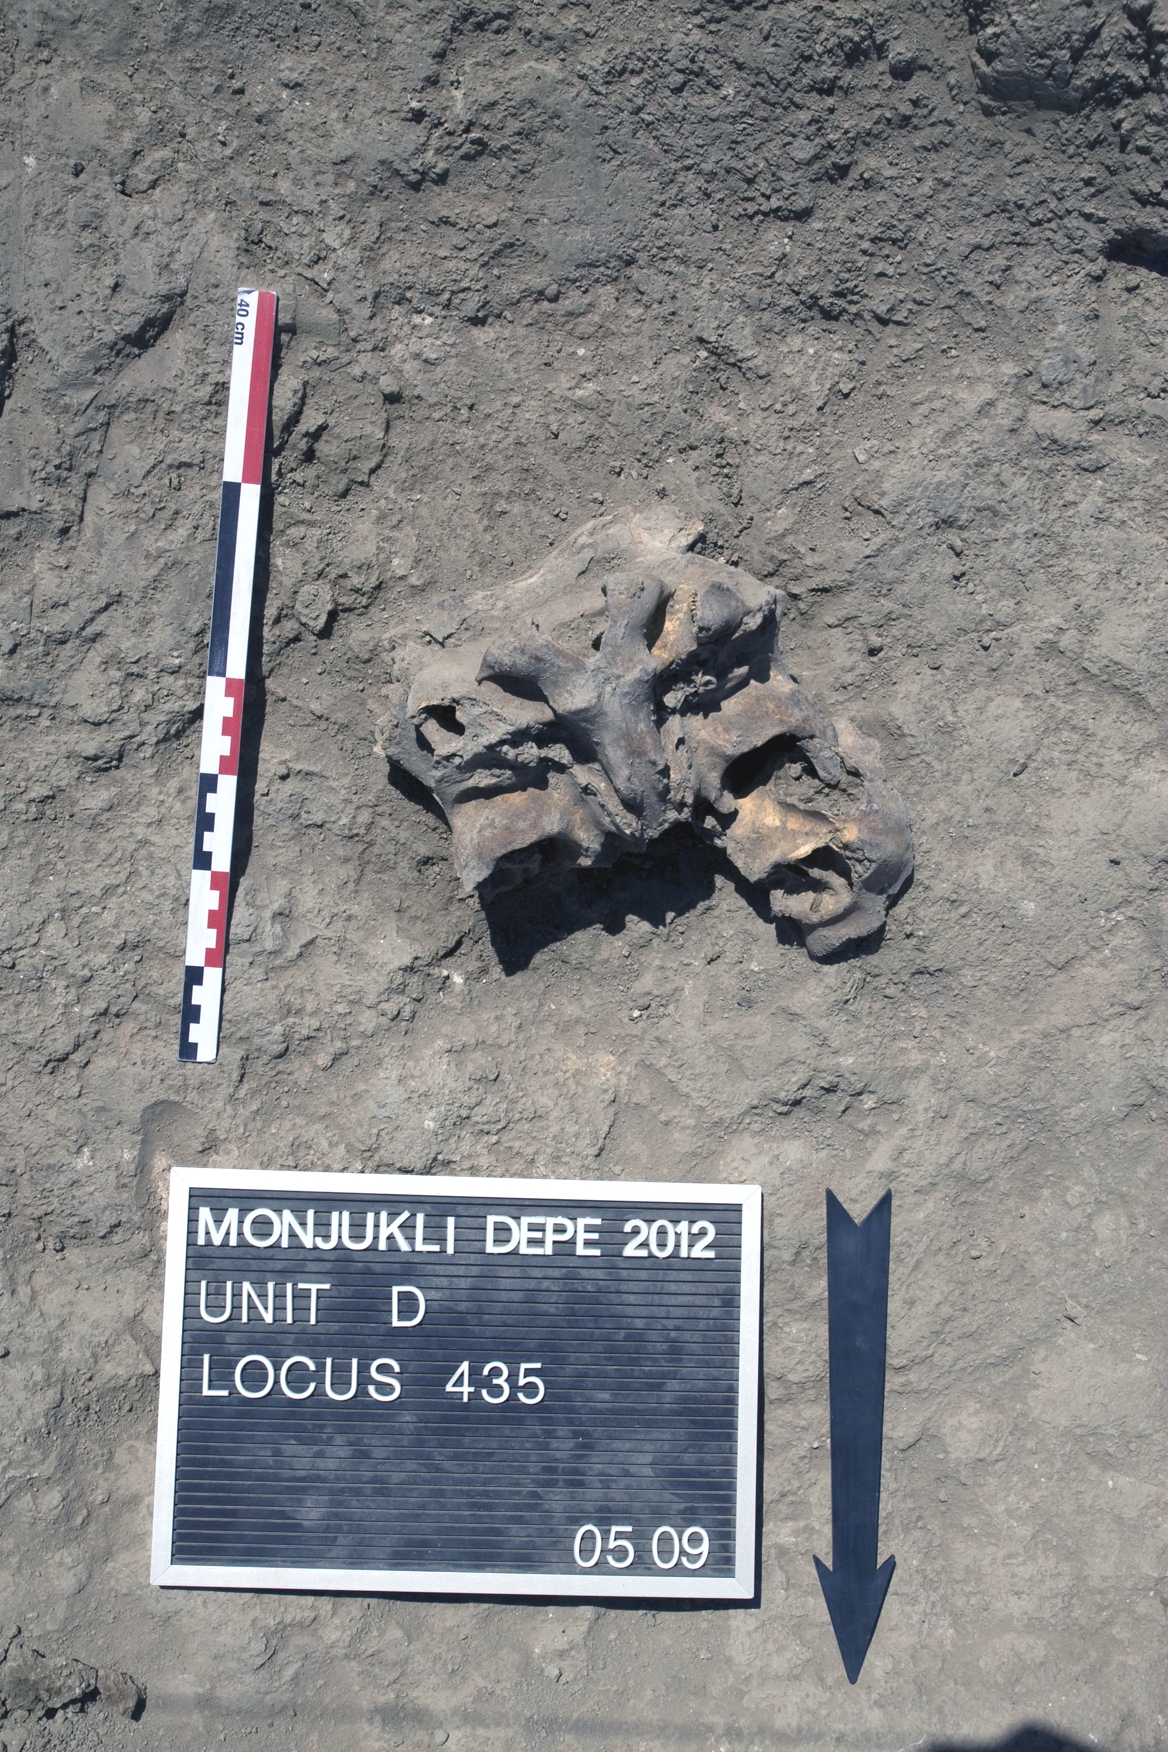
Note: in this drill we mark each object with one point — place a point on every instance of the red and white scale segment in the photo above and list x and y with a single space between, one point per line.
239 512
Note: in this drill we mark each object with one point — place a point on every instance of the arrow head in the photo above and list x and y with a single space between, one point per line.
855 1603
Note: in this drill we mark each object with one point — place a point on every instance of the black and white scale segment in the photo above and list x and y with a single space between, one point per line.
412 1383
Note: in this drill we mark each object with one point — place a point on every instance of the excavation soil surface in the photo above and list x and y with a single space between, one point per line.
878 296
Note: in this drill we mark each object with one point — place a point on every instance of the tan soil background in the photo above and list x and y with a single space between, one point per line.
878 294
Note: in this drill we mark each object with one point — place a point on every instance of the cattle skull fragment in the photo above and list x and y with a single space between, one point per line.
630 684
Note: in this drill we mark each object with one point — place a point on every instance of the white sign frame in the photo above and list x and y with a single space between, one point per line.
740 1586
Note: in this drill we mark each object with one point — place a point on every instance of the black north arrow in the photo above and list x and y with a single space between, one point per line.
857 1324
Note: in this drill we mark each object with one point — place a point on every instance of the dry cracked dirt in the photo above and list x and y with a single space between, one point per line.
877 295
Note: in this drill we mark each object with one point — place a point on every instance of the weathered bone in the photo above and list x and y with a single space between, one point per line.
634 684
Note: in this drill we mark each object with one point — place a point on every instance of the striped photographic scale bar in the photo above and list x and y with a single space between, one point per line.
239 510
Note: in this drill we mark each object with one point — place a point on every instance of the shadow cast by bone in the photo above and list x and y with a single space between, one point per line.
668 879
1141 247
415 792
672 876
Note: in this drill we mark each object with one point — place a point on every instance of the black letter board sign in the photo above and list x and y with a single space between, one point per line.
382 1382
